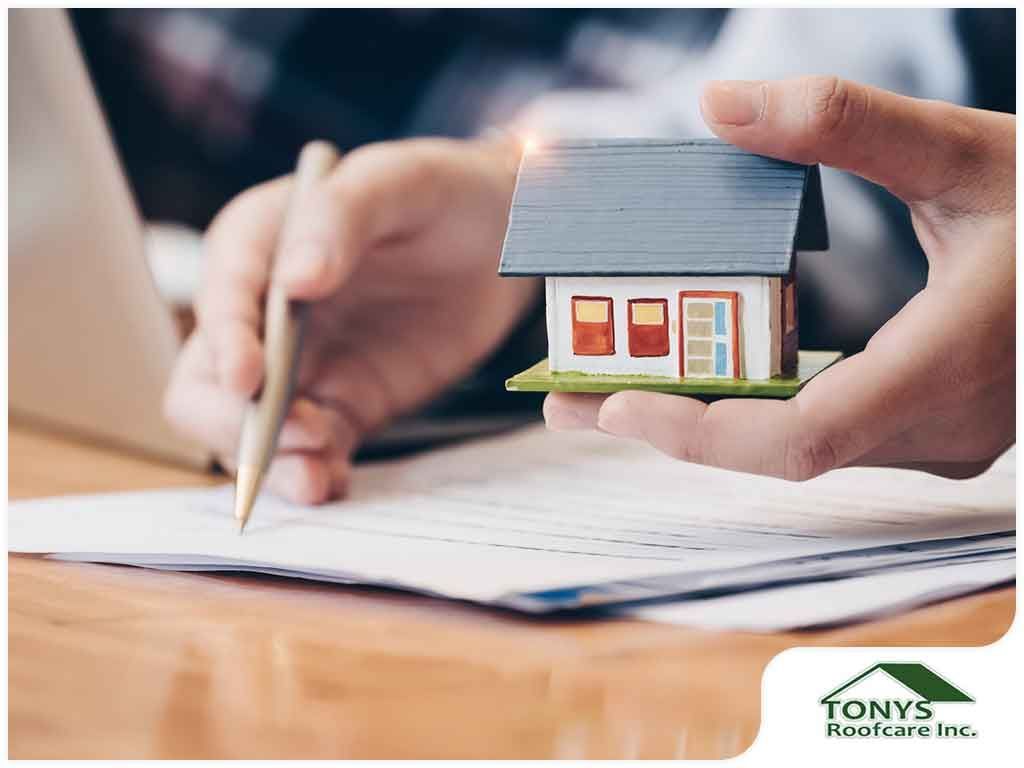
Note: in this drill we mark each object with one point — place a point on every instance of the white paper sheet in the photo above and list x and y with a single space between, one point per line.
523 512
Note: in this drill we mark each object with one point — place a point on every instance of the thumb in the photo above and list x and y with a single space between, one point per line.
307 260
920 150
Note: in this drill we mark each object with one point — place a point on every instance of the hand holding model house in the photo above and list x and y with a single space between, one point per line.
934 389
400 252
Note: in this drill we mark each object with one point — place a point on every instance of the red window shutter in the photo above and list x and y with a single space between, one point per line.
647 320
593 326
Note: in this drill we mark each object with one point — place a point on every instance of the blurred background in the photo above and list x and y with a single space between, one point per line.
204 103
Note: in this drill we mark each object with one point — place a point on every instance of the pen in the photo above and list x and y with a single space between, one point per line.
282 341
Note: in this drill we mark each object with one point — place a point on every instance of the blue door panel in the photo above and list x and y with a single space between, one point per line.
721 368
720 318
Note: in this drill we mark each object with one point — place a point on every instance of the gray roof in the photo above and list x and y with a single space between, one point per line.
660 207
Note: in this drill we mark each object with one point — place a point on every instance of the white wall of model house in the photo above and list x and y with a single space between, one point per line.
754 321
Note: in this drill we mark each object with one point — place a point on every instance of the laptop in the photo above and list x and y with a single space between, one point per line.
91 342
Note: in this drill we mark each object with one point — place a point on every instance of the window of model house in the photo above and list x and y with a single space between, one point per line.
593 326
648 327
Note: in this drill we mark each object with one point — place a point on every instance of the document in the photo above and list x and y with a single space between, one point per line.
541 521
828 603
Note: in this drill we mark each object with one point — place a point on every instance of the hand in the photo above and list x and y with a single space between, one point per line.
398 249
934 389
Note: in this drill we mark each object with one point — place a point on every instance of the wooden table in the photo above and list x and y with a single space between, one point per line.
116 662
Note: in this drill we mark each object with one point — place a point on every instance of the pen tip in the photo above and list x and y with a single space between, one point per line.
246 488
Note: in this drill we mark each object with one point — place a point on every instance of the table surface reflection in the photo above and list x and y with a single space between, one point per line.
117 662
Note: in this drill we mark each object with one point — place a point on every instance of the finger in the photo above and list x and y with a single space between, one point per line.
358 390
843 413
308 427
239 353
567 410
743 435
215 420
237 252
197 406
339 469
337 453
322 431
302 478
919 149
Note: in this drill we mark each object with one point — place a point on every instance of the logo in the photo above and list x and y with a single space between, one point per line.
896 700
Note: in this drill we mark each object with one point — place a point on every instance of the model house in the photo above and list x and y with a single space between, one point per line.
670 259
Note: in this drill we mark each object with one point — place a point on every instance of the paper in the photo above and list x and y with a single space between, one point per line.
523 513
833 602
811 568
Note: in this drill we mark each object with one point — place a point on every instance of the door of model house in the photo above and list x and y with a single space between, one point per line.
709 334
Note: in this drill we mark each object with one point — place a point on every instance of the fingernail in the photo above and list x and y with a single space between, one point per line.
303 262
298 436
734 102
615 419
562 418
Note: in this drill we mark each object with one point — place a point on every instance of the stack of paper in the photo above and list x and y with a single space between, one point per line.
539 521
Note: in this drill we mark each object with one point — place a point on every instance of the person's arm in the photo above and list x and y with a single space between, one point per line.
935 387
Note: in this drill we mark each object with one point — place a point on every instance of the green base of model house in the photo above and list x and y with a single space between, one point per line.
539 378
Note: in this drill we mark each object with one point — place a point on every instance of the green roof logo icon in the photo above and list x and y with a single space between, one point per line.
918 680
